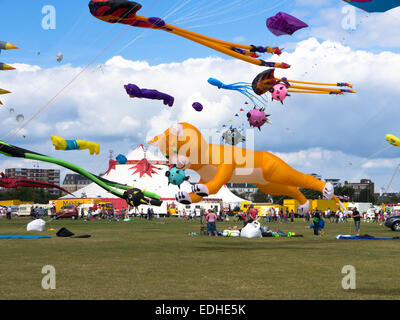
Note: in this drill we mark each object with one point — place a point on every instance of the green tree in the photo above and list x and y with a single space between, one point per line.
311 194
345 191
27 194
365 196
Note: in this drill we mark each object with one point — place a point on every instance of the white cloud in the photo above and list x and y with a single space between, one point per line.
378 30
317 133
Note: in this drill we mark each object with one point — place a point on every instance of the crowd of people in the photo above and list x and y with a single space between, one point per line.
6 212
316 217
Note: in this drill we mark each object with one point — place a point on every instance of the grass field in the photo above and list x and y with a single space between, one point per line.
148 260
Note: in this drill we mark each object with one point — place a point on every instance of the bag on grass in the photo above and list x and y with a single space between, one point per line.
251 230
36 225
64 232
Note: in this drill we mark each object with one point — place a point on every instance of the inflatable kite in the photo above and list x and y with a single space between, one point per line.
6 182
135 92
197 106
4 66
279 88
62 144
122 11
241 87
60 57
7 46
284 24
221 164
393 140
258 118
233 137
133 196
2 91
121 159
176 176
374 5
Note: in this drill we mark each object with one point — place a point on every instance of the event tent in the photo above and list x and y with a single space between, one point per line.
145 170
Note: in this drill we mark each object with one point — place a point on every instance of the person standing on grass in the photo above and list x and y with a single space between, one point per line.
291 216
376 216
211 218
316 220
201 215
8 213
357 220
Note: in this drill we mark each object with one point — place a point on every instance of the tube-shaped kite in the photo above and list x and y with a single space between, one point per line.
393 140
62 144
133 196
123 11
135 92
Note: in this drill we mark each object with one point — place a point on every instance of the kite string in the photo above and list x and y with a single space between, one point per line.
174 10
76 77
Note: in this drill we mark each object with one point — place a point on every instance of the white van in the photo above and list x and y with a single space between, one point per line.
24 210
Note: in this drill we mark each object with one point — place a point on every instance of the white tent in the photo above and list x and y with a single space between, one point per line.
150 175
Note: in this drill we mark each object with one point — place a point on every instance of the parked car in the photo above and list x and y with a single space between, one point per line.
393 223
66 212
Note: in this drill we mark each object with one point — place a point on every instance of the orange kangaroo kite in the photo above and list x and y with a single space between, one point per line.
184 146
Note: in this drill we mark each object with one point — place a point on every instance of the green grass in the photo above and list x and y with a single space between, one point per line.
146 260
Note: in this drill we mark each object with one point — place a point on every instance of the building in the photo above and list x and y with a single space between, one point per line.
244 189
45 175
362 185
74 182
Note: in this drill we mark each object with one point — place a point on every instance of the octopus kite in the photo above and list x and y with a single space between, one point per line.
6 182
122 11
279 88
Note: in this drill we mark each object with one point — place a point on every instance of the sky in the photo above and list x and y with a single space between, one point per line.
82 97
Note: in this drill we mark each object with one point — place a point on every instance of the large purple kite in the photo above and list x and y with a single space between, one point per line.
283 23
135 92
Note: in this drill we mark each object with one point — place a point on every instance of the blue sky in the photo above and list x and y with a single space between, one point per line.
336 136
81 37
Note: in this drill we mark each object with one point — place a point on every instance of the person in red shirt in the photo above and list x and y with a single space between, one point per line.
252 215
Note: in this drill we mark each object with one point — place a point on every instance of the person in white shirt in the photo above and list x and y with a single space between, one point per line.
340 216
9 213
